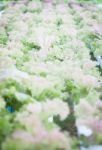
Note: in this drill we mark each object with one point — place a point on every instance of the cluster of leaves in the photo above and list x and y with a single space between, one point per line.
45 70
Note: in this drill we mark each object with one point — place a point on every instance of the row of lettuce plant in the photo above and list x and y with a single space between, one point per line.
89 109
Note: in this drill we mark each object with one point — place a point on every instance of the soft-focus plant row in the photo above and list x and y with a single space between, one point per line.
49 84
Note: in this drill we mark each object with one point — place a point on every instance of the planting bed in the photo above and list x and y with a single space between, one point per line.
50 76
